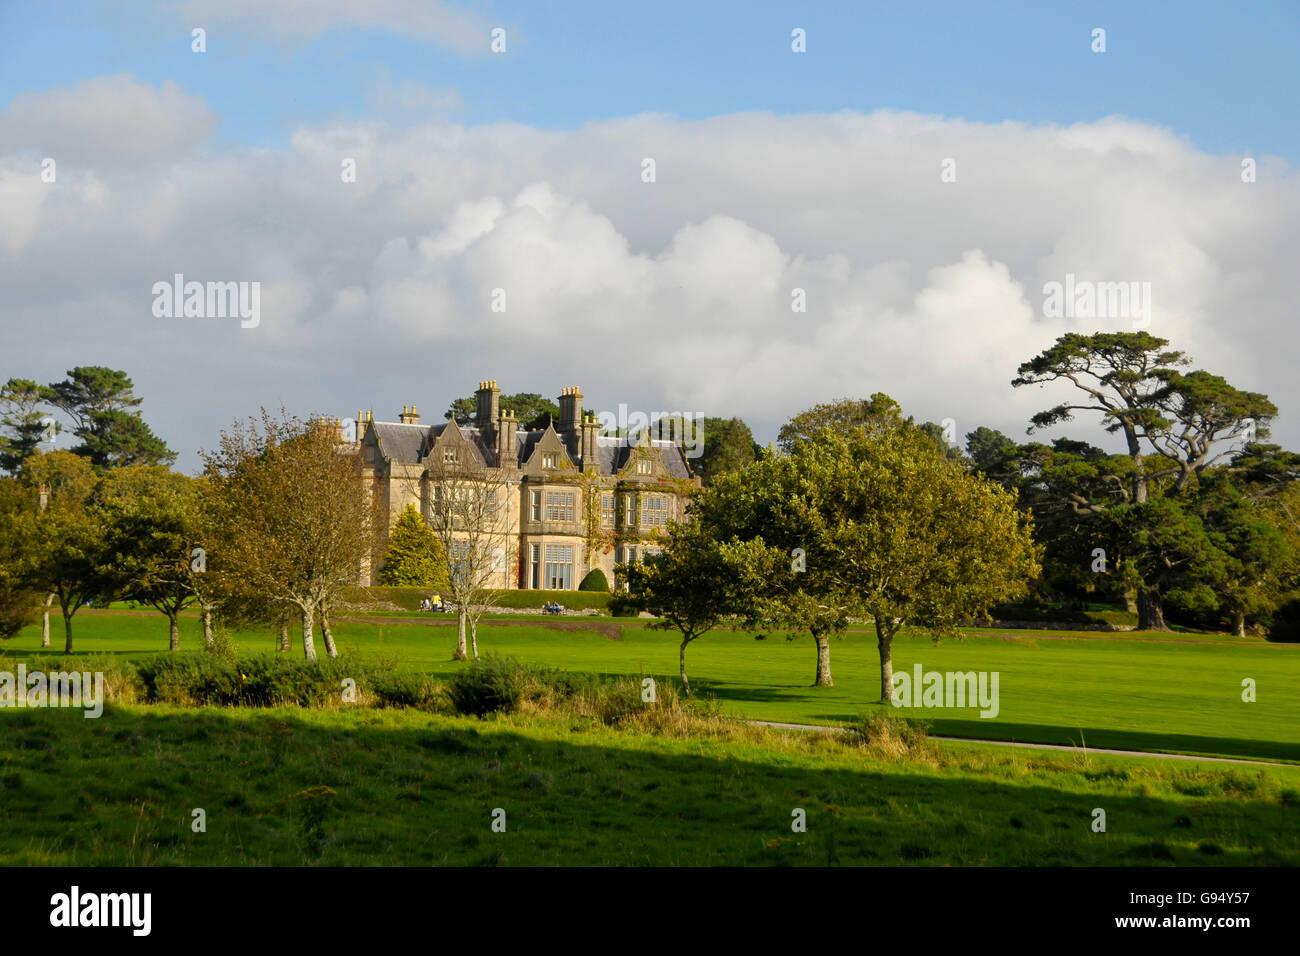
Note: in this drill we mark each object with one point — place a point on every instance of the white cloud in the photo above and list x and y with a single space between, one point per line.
666 295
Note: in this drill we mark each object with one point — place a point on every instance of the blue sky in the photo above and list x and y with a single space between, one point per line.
1223 75
777 171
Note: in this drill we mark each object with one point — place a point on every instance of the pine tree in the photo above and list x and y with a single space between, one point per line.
415 556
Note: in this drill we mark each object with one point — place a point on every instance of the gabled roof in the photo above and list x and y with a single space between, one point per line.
410 444
398 442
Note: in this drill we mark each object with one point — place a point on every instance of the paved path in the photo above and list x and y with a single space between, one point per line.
1158 755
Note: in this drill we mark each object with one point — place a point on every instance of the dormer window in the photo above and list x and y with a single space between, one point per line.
644 467
548 461
450 456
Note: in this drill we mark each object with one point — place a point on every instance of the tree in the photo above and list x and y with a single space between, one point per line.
914 537
468 514
152 516
19 602
101 403
1136 383
24 426
415 557
67 555
875 414
294 517
728 445
533 411
697 583
784 501
1123 376
988 450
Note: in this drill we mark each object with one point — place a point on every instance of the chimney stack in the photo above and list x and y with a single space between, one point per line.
507 437
409 415
569 427
590 429
488 399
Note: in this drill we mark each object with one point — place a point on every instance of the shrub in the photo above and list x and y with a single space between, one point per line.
403 689
263 681
594 581
489 685
891 735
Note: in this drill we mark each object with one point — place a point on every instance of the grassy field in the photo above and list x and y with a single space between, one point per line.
1177 694
333 787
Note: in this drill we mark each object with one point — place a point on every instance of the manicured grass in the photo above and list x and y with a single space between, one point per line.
405 787
1123 692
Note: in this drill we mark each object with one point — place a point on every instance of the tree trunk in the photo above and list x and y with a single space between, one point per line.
473 636
308 641
1131 601
67 630
174 631
823 660
461 653
681 665
1239 623
207 628
284 635
330 648
1151 611
885 642
45 622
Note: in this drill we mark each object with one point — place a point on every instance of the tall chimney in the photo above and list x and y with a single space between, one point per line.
507 436
488 398
590 454
409 415
569 427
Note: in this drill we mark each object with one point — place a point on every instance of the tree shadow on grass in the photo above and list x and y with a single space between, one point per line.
408 788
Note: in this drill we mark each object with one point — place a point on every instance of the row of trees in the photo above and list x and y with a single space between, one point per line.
865 515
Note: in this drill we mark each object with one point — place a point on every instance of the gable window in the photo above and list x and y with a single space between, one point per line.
537 506
559 506
559 567
644 467
654 511
449 455
548 460
607 511
370 454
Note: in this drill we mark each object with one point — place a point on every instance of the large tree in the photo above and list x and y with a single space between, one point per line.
68 555
916 538
1187 421
697 583
19 602
874 414
295 519
103 407
152 516
467 511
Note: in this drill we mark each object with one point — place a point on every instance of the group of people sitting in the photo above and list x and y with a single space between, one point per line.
433 602
552 607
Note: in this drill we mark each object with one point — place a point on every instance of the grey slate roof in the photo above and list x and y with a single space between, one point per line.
410 443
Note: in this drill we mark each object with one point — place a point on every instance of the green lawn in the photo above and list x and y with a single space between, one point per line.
1124 693
405 787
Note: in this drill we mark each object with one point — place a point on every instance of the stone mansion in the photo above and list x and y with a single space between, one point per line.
564 499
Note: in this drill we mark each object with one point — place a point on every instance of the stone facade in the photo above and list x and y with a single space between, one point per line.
564 500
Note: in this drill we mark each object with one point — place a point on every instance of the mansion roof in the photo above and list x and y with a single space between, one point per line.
411 443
